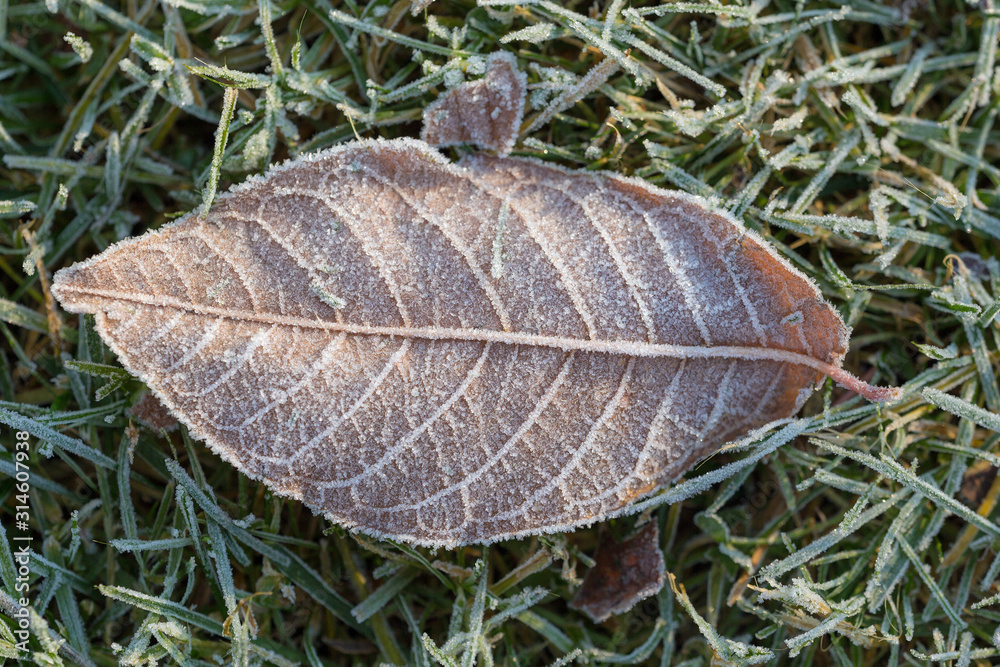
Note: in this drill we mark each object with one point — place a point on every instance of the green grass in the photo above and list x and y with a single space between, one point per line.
860 142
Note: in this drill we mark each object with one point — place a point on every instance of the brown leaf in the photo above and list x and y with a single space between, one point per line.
623 574
486 112
447 354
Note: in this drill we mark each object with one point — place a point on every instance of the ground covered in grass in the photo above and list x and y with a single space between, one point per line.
857 137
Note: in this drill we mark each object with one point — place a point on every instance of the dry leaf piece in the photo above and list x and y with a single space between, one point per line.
338 329
623 575
486 112
976 482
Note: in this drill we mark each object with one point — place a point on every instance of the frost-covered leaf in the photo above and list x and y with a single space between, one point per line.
486 112
630 332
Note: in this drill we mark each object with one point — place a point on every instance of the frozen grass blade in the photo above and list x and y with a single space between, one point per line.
20 316
63 442
733 652
931 584
963 409
370 28
15 208
384 594
221 136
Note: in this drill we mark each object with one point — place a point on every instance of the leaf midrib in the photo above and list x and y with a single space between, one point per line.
629 348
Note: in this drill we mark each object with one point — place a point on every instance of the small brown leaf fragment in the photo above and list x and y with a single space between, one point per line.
623 575
976 482
486 112
151 413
